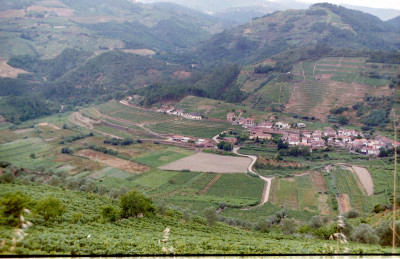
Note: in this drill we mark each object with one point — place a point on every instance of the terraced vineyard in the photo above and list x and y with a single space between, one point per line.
334 82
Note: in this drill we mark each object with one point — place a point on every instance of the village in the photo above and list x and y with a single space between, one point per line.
294 134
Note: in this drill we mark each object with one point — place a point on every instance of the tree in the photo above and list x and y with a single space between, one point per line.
133 203
49 208
211 216
282 145
13 205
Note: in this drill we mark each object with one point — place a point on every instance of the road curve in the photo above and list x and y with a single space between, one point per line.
268 181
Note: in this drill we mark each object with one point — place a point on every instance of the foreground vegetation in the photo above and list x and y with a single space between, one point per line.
85 228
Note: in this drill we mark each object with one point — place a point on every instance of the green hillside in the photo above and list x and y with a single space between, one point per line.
82 231
277 32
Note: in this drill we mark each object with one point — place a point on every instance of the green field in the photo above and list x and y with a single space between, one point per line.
238 186
306 193
284 192
18 153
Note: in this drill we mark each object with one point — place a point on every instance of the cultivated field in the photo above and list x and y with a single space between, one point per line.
124 165
204 162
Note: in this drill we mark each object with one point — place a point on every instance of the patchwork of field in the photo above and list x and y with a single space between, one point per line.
335 82
204 162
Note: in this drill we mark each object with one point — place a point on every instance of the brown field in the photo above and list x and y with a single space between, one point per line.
365 178
343 203
318 182
204 162
121 164
9 71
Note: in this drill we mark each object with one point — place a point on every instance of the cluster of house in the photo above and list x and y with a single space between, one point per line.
345 138
180 112
199 142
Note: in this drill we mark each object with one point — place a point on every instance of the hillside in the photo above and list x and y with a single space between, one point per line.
46 28
82 231
321 23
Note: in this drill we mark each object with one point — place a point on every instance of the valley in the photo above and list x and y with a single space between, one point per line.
137 129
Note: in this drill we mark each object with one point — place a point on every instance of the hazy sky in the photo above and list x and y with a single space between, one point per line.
389 4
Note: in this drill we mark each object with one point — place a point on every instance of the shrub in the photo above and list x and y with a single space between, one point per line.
133 203
55 181
161 209
50 208
110 213
385 233
77 217
379 208
211 215
316 222
364 234
262 226
13 205
351 214
186 216
7 177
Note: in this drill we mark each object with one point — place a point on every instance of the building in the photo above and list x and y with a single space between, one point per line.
194 116
282 125
267 125
301 125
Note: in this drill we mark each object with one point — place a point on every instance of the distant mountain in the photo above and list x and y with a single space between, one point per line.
395 21
46 28
321 23
213 7
383 14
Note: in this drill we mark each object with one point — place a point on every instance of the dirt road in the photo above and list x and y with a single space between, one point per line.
267 181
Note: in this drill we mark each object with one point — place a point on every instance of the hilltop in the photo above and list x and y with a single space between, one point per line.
321 23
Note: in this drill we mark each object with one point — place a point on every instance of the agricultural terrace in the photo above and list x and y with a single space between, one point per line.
335 82
136 120
204 162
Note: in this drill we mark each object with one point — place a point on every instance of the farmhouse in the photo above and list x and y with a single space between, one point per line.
301 125
261 135
282 125
249 122
293 141
267 125
194 116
